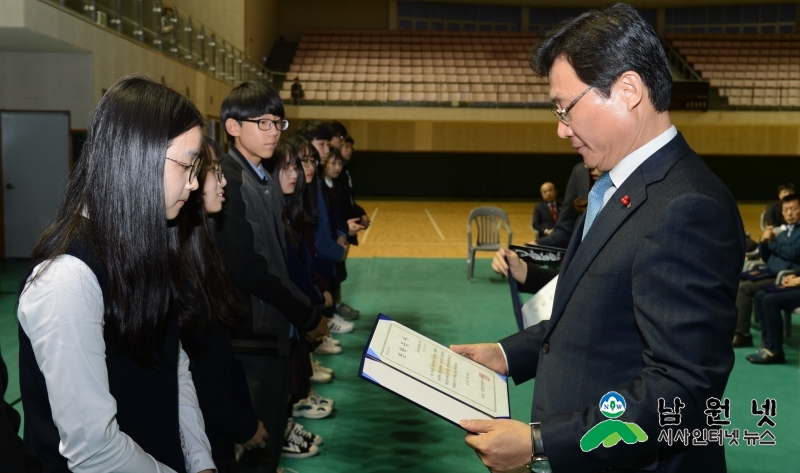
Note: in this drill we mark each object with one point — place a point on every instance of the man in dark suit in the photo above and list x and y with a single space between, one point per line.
580 181
645 300
545 213
773 216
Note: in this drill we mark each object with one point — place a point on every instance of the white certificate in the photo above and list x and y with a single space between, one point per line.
439 367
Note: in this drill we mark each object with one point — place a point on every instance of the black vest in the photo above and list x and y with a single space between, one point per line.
147 398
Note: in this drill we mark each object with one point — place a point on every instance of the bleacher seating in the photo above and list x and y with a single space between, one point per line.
750 70
413 66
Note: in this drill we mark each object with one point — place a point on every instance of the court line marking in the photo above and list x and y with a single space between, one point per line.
371 224
434 224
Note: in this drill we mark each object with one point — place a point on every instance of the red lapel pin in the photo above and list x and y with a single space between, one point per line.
626 201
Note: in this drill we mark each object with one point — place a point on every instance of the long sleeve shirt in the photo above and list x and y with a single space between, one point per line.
62 315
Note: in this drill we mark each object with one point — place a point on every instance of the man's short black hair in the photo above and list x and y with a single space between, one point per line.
601 45
791 198
250 100
349 139
336 127
314 130
786 186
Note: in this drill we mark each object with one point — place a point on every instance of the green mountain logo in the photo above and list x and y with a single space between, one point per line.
609 432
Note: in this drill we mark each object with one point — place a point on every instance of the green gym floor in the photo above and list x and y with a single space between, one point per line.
371 430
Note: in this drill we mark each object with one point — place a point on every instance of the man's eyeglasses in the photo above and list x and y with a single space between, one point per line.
563 113
266 124
193 168
218 171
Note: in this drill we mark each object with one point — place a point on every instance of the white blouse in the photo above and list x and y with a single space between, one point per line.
62 315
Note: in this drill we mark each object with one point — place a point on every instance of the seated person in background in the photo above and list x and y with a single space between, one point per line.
780 251
545 213
580 182
769 305
297 91
774 213
530 276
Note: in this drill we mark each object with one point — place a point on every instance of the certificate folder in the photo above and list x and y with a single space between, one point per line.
431 375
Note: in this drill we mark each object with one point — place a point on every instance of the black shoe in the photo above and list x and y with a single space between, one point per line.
762 357
740 340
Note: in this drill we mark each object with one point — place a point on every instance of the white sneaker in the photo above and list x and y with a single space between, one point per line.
339 325
317 399
310 438
306 408
319 376
294 446
317 366
336 342
327 348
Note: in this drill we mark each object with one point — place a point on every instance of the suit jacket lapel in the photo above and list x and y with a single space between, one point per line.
580 254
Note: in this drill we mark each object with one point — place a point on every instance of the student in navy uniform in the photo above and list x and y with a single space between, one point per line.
211 294
105 383
252 242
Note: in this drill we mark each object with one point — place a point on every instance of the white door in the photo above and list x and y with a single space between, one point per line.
35 158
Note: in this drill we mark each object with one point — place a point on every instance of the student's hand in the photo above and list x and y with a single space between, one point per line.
769 234
342 241
505 445
518 268
365 222
489 355
353 227
258 438
328 299
531 243
320 332
791 281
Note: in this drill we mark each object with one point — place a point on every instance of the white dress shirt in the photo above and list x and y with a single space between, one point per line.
629 163
62 315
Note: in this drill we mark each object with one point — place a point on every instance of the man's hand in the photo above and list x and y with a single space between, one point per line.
532 243
258 438
320 332
365 222
328 299
769 234
488 354
548 231
353 226
342 241
505 445
518 268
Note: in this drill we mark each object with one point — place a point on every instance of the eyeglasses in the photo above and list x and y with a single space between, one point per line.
218 171
192 168
562 114
266 124
308 159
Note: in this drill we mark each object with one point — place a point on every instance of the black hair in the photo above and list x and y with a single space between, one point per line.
601 45
250 100
791 198
287 154
336 127
115 205
309 191
349 139
786 186
206 273
314 130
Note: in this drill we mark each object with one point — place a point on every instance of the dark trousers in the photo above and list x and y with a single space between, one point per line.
769 307
268 380
744 302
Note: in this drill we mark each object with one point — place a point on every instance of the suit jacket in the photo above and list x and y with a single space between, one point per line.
542 218
645 306
783 252
578 187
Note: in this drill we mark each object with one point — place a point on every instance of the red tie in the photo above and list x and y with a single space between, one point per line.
553 211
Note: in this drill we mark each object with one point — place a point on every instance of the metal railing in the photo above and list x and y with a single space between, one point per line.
172 32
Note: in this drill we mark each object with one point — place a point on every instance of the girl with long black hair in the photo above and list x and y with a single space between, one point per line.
227 411
105 383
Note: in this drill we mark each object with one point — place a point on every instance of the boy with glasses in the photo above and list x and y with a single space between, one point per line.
252 242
